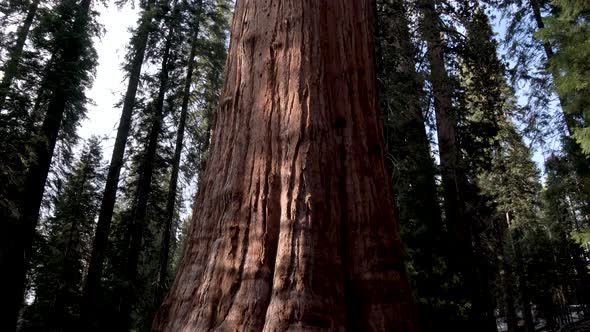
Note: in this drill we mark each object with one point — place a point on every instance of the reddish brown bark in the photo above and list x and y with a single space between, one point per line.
294 227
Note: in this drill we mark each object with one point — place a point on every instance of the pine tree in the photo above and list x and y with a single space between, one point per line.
146 165
66 77
512 182
171 199
565 272
534 47
413 169
20 78
58 276
510 179
204 70
568 33
463 223
482 109
92 284
11 66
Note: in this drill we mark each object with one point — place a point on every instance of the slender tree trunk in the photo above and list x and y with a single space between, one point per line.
144 189
11 66
413 169
581 267
408 139
18 232
209 119
461 250
534 4
445 122
506 276
92 285
295 228
524 288
505 243
173 184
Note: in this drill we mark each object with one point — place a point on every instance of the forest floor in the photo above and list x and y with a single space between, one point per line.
578 323
580 326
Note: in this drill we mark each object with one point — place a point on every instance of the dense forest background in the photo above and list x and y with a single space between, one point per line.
487 140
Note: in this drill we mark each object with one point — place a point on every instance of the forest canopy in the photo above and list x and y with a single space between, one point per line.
378 165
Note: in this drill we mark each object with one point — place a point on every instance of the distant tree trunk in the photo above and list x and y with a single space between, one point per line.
461 249
144 188
536 8
11 66
92 285
446 124
173 184
18 232
506 275
523 287
581 267
413 169
295 228
208 118
408 139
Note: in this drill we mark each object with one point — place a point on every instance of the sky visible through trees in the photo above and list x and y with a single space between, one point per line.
110 81
256 165
109 84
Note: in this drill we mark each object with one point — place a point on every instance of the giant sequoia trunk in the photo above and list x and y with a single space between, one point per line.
294 227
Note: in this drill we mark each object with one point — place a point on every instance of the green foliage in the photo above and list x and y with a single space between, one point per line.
556 264
208 81
569 33
213 20
64 249
56 29
402 100
526 57
528 239
483 97
513 179
581 237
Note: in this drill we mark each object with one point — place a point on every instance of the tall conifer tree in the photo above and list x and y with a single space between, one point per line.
67 75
